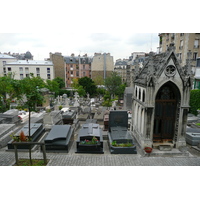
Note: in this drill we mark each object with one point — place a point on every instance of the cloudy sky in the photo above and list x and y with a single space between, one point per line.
119 45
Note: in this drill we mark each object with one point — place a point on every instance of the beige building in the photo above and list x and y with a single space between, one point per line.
102 65
23 68
184 42
59 64
4 59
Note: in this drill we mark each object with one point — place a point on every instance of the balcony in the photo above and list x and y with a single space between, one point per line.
196 46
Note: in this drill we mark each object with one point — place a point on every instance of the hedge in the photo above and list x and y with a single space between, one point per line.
194 101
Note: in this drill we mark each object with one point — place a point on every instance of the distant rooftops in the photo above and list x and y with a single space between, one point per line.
4 56
30 62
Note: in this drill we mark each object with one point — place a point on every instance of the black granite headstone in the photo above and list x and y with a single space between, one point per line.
90 139
60 138
120 140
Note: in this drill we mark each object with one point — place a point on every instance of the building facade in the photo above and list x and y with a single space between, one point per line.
121 68
161 93
184 42
23 68
102 65
59 64
4 59
76 67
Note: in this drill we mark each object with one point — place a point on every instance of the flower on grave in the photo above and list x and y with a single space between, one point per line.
93 141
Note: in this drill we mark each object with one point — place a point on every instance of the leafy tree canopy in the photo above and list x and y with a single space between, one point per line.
112 83
88 85
60 81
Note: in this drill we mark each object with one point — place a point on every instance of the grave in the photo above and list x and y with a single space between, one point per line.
60 138
53 118
5 131
120 140
68 117
10 117
193 136
90 139
36 131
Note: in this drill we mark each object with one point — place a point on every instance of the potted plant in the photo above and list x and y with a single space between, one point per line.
148 149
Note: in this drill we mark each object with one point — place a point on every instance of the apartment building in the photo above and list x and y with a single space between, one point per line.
76 67
23 68
184 42
102 65
3 60
121 68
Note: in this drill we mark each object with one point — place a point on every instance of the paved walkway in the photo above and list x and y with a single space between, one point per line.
7 158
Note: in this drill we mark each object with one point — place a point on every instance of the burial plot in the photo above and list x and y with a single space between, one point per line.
36 131
120 140
10 117
90 139
192 136
68 117
60 138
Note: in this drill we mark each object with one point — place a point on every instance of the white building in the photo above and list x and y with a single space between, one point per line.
22 69
4 59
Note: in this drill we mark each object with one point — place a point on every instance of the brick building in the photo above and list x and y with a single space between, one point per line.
77 67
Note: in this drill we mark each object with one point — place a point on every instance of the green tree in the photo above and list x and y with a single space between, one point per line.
112 83
30 88
81 91
194 101
9 90
88 85
53 86
60 81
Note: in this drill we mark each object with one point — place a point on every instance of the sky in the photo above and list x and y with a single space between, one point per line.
119 45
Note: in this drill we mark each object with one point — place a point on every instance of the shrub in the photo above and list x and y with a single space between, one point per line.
194 101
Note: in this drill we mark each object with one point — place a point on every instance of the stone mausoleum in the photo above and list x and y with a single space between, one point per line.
161 92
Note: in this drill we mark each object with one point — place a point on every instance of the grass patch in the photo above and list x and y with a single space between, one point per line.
128 144
198 124
35 162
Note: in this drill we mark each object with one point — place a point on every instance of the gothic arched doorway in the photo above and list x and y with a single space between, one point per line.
165 117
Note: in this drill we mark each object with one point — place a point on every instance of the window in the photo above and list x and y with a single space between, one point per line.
21 69
4 70
48 76
83 73
38 70
77 73
180 56
21 76
26 70
4 63
83 66
9 69
196 44
195 55
48 71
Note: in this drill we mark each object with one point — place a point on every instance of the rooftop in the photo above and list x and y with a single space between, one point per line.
6 56
30 62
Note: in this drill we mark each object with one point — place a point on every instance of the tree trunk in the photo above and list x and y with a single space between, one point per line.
29 133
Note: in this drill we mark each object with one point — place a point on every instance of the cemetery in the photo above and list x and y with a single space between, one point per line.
154 120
